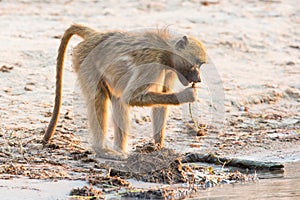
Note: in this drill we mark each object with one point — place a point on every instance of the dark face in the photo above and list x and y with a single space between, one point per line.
191 75
190 56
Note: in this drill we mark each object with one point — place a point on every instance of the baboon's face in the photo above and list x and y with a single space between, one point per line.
191 55
190 75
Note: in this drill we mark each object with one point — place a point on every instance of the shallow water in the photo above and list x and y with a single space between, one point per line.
286 187
28 189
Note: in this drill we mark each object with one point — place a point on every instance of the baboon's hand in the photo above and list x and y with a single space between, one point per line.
189 94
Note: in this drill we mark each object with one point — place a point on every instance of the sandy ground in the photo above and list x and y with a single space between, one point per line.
250 93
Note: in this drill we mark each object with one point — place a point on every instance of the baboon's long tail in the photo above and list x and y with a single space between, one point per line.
83 32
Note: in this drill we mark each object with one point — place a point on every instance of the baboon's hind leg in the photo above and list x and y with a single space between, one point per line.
97 116
98 119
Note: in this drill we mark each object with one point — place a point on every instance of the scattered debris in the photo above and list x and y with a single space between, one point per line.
88 192
56 36
147 148
208 3
6 69
27 88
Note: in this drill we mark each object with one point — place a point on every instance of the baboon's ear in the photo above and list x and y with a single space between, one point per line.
181 44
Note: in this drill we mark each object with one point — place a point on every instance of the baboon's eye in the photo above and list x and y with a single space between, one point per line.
199 63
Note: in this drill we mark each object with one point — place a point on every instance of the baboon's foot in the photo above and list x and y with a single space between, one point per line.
110 154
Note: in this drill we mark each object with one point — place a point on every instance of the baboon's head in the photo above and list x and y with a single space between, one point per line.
189 55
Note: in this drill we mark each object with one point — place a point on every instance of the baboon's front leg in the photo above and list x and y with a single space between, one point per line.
160 113
159 117
121 123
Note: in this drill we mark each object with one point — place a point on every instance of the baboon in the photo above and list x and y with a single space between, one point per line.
128 69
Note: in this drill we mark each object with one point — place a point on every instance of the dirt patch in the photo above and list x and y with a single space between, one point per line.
161 166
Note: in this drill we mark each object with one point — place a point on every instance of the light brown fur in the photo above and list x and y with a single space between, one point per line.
128 69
